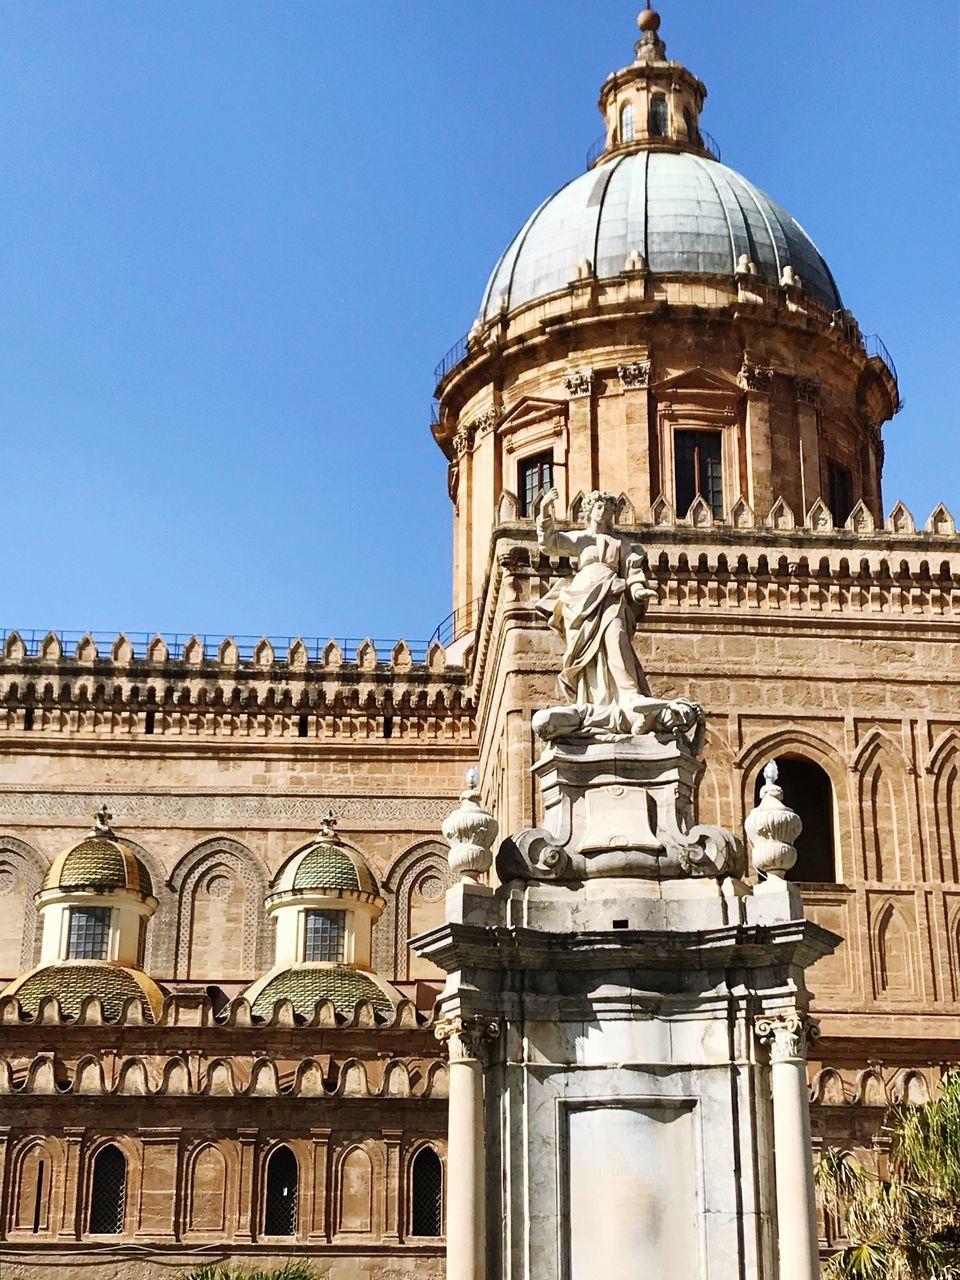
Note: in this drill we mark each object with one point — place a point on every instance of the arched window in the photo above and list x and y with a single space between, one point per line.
626 122
807 789
108 1192
426 1194
280 1207
659 126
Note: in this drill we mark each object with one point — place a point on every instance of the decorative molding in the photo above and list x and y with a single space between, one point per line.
635 375
788 1035
21 804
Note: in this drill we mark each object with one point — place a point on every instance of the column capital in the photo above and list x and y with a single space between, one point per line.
787 1034
467 1034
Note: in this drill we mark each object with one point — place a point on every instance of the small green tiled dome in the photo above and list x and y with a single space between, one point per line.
99 862
326 866
305 987
73 982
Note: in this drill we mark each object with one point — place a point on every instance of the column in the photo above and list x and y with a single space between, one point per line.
787 1037
808 431
6 1174
466 1163
638 482
757 380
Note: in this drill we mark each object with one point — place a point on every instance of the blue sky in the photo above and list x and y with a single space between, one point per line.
236 238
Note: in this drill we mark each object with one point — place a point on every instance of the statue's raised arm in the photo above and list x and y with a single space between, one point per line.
596 612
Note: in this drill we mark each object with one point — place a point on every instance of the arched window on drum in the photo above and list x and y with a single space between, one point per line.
626 122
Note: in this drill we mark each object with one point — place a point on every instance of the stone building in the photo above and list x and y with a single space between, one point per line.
215 1039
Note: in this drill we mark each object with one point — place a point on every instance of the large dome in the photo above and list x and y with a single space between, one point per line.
682 212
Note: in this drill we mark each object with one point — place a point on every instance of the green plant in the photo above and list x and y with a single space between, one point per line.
905 1226
289 1271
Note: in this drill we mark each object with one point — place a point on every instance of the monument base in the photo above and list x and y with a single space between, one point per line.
619 807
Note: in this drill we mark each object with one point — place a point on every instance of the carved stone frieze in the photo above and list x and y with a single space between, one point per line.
635 375
467 1035
199 809
484 424
788 1035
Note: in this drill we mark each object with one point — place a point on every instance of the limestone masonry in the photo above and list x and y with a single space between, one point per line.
216 1042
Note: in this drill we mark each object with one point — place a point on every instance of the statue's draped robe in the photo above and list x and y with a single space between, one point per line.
596 615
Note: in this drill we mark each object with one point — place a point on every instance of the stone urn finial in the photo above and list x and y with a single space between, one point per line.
470 832
772 828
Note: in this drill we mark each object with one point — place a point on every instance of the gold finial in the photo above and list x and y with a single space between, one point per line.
649 20
101 822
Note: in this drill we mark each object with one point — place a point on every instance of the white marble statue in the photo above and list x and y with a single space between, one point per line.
601 682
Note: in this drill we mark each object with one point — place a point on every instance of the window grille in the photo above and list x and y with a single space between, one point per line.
280 1204
324 935
108 1192
89 933
535 476
626 122
659 127
698 470
840 492
426 1194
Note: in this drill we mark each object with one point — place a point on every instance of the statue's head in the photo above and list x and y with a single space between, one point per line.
599 509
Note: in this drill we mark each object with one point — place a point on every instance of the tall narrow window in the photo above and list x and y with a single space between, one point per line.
626 122
839 492
659 126
535 476
690 125
426 1194
807 789
89 937
108 1192
698 470
324 935
280 1206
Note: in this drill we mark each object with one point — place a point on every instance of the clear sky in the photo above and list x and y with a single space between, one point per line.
236 238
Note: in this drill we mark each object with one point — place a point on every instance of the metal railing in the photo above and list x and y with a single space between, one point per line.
177 641
706 140
874 346
457 624
450 361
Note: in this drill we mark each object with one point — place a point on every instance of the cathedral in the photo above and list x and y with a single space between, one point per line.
217 1044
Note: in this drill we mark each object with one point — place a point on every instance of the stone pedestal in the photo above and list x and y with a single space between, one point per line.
638 1118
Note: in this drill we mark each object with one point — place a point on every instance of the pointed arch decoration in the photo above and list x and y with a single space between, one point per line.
884 808
415 887
22 870
220 888
894 952
207 1190
355 1208
37 1168
945 767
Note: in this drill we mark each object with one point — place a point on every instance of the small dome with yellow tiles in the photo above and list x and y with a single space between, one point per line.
327 865
100 861
305 985
73 981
